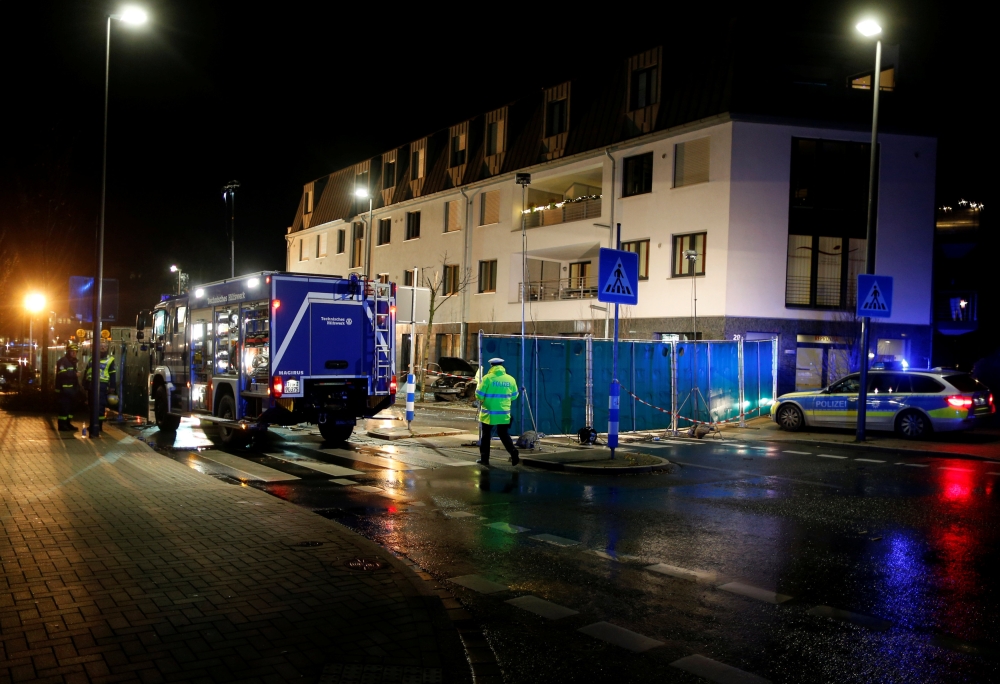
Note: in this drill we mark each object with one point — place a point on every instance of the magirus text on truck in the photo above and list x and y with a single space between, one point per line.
273 348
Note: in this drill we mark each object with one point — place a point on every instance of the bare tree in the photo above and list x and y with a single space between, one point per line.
444 284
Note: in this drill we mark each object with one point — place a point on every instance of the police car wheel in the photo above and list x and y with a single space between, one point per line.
790 418
913 425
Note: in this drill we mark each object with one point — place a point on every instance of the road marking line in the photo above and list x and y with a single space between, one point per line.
554 540
345 482
388 464
539 606
869 460
913 465
755 592
739 446
830 456
458 514
619 636
477 583
960 470
463 463
247 469
683 573
848 616
507 527
714 671
327 468
800 453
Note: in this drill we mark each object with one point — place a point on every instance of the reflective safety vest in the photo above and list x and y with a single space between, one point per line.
107 366
495 393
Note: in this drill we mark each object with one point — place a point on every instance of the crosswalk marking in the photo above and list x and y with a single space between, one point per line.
869 460
830 456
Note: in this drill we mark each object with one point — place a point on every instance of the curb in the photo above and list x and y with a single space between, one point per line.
576 468
876 447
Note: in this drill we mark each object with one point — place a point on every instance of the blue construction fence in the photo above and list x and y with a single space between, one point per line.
665 385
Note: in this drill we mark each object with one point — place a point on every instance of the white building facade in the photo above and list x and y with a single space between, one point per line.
761 202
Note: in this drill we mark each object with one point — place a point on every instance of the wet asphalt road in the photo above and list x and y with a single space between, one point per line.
884 568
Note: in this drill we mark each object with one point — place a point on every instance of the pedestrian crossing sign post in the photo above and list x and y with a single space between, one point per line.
618 277
617 283
874 296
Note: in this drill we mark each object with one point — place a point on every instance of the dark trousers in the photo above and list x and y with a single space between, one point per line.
486 434
66 399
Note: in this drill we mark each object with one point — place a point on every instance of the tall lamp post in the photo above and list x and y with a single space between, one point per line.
34 303
362 193
229 196
129 15
869 28
174 268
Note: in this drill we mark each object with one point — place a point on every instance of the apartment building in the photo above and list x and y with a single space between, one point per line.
768 189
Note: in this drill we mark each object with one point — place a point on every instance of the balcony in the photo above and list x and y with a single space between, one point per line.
583 287
955 312
564 212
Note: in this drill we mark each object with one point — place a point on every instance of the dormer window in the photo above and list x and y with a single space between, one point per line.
307 202
556 117
389 175
416 164
458 149
643 90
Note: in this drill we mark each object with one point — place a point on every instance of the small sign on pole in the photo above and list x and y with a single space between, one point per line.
617 283
874 296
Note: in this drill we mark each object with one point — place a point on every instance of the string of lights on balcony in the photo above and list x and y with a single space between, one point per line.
966 204
559 205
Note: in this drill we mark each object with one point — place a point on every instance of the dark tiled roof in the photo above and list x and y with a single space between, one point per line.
740 79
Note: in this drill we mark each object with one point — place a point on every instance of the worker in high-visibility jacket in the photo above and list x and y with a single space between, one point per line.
108 378
495 393
67 385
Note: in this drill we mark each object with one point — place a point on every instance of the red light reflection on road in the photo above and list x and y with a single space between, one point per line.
957 485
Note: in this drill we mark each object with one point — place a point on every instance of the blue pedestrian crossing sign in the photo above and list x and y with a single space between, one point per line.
874 296
618 277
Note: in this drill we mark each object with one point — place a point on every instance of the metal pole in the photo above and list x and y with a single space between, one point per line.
95 361
524 295
413 350
673 389
371 237
866 322
589 409
614 393
232 238
741 375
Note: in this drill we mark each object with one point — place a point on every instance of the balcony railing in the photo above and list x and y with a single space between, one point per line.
584 287
569 211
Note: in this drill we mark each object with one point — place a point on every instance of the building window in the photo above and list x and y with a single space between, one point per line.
301 250
555 118
457 150
383 277
643 91
579 274
488 276
886 81
452 279
307 202
682 265
361 182
384 231
416 171
691 162
637 175
412 225
388 175
489 208
494 138
640 247
449 344
357 245
817 274
341 240
321 245
452 216
407 278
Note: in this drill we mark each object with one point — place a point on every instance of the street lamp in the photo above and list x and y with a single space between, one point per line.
869 28
174 268
362 193
229 195
34 303
134 16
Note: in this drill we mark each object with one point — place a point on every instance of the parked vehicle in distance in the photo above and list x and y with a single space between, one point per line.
447 388
912 403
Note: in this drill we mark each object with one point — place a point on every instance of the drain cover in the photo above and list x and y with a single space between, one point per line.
308 544
366 564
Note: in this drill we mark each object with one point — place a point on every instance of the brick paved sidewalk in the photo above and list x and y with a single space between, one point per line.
119 564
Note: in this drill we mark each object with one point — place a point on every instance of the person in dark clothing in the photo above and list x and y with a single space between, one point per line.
67 384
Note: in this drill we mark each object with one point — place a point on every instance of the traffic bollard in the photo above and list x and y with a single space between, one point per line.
409 399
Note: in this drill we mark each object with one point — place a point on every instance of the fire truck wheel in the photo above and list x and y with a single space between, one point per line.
160 403
230 437
335 433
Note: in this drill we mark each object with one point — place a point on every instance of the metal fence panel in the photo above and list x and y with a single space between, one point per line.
724 386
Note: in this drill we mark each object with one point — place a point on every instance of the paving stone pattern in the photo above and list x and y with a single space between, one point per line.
119 564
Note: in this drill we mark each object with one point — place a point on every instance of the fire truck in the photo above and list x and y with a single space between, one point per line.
273 348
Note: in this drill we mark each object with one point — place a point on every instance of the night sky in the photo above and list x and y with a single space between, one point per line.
276 95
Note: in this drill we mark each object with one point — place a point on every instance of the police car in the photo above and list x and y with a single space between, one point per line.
911 403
